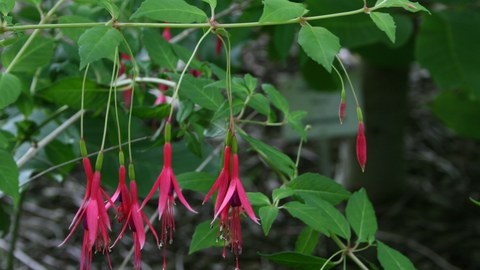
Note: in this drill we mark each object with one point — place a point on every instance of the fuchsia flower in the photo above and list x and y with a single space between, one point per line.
122 195
361 146
167 183
167 35
195 73
218 47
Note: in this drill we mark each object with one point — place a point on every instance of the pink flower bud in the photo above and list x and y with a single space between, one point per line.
341 111
361 146
218 47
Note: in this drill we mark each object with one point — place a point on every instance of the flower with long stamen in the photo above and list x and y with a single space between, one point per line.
122 195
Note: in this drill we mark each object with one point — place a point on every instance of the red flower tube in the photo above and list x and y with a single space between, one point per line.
361 146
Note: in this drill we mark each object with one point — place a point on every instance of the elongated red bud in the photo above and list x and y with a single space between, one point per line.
361 146
218 47
342 107
167 35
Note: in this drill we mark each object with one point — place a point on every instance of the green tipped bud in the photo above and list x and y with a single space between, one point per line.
99 163
234 145
228 138
359 114
168 132
342 95
121 158
83 148
131 172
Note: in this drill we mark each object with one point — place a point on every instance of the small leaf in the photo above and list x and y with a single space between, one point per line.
258 199
159 49
316 185
391 259
295 122
385 22
279 101
38 54
10 89
307 241
259 103
6 6
308 215
361 215
199 91
9 176
319 44
281 10
250 82
298 261
332 219
110 7
177 11
97 43
73 33
204 237
211 3
268 214
196 181
405 4
282 193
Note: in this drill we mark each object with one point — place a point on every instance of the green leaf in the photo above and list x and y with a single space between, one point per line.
204 237
307 241
110 7
315 185
298 261
447 47
258 199
159 50
384 22
295 122
59 152
259 103
7 140
474 201
250 82
211 3
283 38
405 4
5 220
279 101
319 44
196 181
361 215
391 259
38 54
6 6
73 33
308 215
272 156
282 193
281 10
10 89
176 11
268 214
97 43
9 176
68 91
199 91
151 112
458 110
332 219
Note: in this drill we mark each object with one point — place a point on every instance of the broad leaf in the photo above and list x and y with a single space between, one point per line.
152 112
10 89
308 215
97 43
281 10
204 236
9 176
279 101
298 261
391 259
258 199
196 181
73 33
295 122
405 4
199 91
282 193
384 22
6 6
37 55
159 49
307 241
176 11
319 44
361 215
332 219
268 214
259 103
315 185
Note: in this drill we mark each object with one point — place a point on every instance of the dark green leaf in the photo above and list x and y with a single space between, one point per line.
159 49
391 259
307 241
384 22
319 44
308 215
283 39
176 11
6 6
7 140
268 214
9 176
73 33
212 3
10 89
295 121
315 185
282 193
97 43
361 215
298 261
204 237
199 91
332 219
4 221
258 199
279 101
281 10
154 112
196 181
38 54
259 103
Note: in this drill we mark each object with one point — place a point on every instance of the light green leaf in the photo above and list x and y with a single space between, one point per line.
196 181
110 7
6 6
151 112
212 3
307 241
204 237
331 219
384 22
319 44
279 101
38 54
475 201
281 10
73 33
308 215
200 92
272 156
268 214
391 259
361 215
9 175
97 43
298 261
10 89
295 122
282 193
405 4
159 49
258 199
315 185
259 103
176 11
250 82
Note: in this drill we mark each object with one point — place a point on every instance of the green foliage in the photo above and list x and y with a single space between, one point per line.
384 22
97 43
201 92
391 259
281 10
297 260
38 54
9 176
176 11
159 49
6 6
311 186
308 215
332 219
258 199
361 215
405 4
73 33
279 101
319 44
10 89
307 241
204 237
268 214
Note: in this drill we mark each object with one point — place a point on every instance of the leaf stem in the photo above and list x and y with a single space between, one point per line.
349 252
331 258
349 81
82 105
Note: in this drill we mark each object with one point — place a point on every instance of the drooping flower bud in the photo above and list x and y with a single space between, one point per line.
342 107
361 146
218 47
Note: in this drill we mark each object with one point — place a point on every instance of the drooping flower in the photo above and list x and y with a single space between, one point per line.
361 146
168 185
218 47
342 106
122 195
